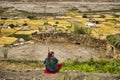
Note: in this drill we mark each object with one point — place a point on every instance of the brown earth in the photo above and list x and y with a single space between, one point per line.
63 51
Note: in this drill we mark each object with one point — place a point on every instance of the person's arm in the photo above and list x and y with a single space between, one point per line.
55 60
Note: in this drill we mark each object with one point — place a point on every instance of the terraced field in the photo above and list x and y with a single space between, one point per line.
106 26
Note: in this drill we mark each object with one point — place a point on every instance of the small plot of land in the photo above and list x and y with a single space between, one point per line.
7 40
63 51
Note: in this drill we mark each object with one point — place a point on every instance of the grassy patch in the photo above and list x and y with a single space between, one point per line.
82 30
20 65
114 41
7 32
102 66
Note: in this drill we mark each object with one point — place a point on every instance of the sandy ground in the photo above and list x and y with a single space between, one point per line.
63 51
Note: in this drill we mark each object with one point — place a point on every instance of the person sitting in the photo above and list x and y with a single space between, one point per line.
51 63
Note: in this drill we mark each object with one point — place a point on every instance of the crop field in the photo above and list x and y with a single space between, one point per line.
7 32
7 40
106 25
106 29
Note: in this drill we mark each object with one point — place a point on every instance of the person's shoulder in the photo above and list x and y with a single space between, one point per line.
54 58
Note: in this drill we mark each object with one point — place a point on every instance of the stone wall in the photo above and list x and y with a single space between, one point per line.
72 38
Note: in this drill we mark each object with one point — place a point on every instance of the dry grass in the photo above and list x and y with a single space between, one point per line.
106 28
7 32
26 32
20 65
100 19
72 13
108 16
7 40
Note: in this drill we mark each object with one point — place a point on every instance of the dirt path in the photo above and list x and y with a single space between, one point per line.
63 51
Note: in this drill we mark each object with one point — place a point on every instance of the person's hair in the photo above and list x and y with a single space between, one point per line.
52 52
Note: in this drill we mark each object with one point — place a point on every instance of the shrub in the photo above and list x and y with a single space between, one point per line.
4 18
85 16
39 28
102 16
46 23
114 40
97 22
31 17
82 30
69 27
25 24
56 22
25 37
12 25
116 16
1 24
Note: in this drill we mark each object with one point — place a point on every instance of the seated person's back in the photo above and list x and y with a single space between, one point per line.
51 63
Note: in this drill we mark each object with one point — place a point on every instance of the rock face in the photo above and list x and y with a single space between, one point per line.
63 0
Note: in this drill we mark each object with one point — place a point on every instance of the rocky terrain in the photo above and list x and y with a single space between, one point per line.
15 8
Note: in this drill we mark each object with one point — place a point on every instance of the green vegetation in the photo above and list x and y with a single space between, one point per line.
102 66
12 25
102 16
82 30
25 24
31 17
116 16
24 36
112 21
46 23
85 16
114 41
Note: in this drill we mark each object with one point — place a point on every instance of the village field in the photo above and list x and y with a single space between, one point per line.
106 26
84 37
